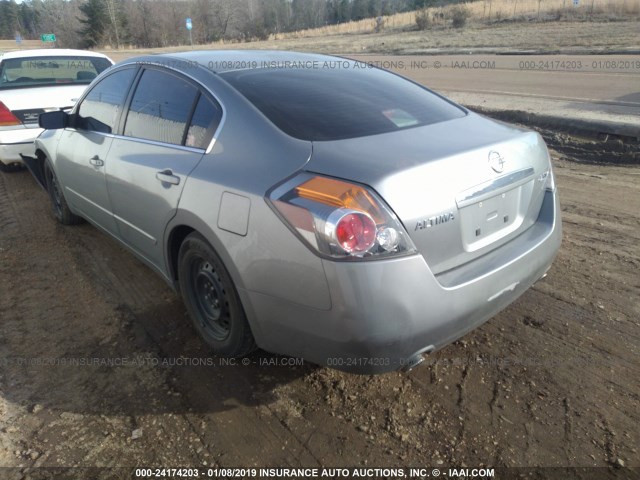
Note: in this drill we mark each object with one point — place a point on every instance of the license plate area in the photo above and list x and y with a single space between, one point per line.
491 219
28 116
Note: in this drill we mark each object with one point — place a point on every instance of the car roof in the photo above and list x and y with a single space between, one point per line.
48 52
220 61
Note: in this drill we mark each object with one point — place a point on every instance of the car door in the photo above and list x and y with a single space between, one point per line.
84 147
168 126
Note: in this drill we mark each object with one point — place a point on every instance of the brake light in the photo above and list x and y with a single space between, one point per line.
7 118
551 181
340 219
355 232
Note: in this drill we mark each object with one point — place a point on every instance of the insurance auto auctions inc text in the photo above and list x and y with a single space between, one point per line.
370 473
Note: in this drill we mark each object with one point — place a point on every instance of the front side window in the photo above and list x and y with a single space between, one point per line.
99 110
50 70
160 108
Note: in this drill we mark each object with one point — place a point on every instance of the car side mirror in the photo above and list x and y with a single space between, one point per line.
53 120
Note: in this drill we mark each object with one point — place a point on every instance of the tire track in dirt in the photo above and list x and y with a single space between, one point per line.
8 216
8 413
131 286
48 321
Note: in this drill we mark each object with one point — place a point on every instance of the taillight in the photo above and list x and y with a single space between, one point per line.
6 117
355 231
546 178
340 219
549 178
551 181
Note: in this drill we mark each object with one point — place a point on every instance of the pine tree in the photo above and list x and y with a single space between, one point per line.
95 22
9 25
28 20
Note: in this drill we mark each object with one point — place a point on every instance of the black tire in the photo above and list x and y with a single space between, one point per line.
59 204
212 300
12 167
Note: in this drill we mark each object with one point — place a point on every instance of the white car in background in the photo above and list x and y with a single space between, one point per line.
37 81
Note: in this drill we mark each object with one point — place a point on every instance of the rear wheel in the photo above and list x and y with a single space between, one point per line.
212 300
60 208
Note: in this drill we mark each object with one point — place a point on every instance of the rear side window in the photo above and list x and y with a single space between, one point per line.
204 123
333 104
50 70
160 108
98 112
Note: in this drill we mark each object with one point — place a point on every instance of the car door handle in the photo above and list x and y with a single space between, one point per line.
167 176
96 161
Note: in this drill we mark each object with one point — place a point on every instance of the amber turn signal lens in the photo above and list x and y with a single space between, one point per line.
339 194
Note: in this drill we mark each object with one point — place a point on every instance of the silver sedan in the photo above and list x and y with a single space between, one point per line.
309 205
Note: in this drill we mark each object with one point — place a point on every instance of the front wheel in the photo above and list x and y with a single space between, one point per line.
60 208
212 300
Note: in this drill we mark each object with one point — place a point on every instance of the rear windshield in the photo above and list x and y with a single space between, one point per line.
334 104
54 70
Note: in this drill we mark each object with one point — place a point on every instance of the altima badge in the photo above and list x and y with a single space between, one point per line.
496 161
433 221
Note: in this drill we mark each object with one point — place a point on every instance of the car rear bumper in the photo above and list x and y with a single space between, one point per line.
386 314
14 142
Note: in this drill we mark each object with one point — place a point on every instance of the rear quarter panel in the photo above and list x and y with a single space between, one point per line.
249 157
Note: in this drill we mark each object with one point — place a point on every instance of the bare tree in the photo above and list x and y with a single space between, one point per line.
227 14
61 18
160 23
113 18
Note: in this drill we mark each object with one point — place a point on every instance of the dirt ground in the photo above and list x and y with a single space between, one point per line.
551 381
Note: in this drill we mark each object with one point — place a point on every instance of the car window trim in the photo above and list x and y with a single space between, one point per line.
122 119
116 136
210 96
191 114
157 143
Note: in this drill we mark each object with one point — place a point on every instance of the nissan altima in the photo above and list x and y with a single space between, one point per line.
308 205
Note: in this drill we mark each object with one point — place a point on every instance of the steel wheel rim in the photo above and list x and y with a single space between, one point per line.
210 300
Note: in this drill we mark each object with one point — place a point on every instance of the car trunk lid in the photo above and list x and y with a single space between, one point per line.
27 103
461 188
